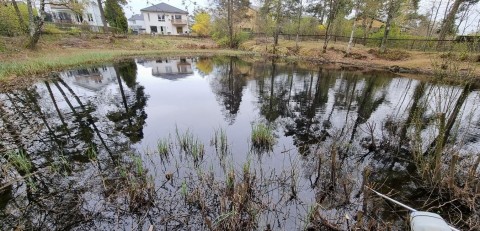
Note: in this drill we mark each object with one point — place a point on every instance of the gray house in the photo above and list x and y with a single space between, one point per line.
165 19
136 23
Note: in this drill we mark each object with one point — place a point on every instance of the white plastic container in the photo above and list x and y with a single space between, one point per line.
426 221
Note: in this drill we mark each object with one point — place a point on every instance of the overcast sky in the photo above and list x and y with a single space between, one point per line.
134 6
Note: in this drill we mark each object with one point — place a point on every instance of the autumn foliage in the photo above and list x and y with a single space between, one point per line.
202 24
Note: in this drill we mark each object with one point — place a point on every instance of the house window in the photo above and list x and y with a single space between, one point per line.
148 16
79 18
161 18
178 17
153 29
90 17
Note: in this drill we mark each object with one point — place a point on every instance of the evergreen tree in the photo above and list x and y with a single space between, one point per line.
114 14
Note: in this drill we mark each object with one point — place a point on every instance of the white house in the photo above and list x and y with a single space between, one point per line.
136 23
172 69
93 79
62 14
165 19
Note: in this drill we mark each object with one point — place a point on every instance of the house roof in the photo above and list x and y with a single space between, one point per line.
136 17
164 7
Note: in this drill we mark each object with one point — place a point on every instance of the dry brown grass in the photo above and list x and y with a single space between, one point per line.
414 61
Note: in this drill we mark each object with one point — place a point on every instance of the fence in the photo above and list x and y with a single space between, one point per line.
407 44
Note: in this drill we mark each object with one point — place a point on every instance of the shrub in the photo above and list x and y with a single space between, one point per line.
52 29
262 137
9 23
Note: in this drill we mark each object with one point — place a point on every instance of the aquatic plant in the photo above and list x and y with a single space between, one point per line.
91 153
220 142
20 160
190 144
164 147
262 137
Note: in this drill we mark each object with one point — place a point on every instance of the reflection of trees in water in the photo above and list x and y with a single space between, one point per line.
307 107
204 65
307 118
83 174
273 93
76 173
227 83
131 119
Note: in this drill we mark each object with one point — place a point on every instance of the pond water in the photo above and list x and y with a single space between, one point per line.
166 143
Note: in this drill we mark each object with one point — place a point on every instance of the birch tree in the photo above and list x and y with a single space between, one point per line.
35 24
449 21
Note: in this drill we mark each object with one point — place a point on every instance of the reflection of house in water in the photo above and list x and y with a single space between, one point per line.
171 69
93 79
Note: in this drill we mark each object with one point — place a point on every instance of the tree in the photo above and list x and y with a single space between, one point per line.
334 8
35 24
231 13
370 10
202 23
299 4
102 15
354 26
114 14
275 10
392 9
449 22
282 14
13 18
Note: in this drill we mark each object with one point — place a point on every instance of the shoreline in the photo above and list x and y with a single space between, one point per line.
26 67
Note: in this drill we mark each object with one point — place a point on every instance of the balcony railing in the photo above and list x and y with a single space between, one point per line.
179 21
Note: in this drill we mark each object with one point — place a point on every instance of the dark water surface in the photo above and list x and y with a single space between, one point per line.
81 151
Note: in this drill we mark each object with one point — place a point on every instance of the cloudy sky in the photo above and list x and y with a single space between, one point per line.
134 6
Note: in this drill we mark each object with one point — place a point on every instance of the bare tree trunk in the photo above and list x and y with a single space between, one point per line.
449 20
391 11
278 11
353 30
434 20
431 18
331 16
299 24
465 15
19 15
31 18
230 24
35 25
102 15
446 9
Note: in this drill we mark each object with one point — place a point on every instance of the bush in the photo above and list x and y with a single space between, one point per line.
9 23
52 29
238 38
75 31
